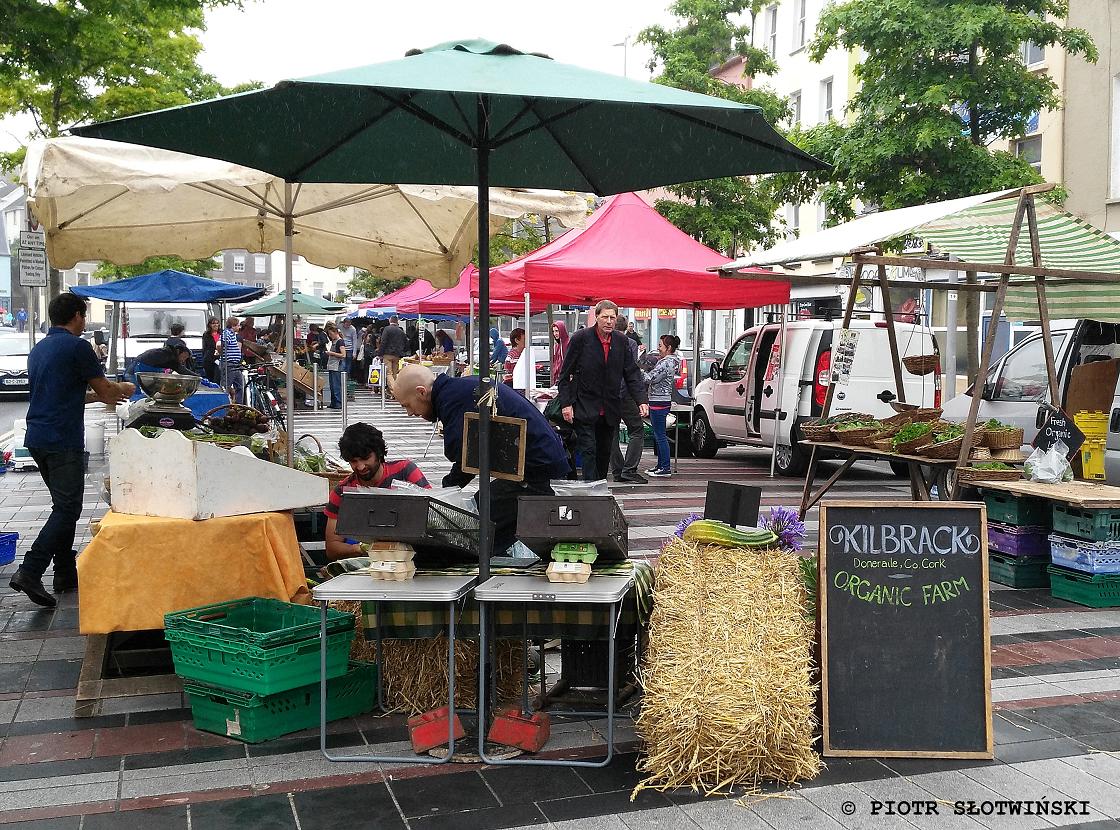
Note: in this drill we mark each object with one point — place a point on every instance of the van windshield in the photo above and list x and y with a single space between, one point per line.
157 321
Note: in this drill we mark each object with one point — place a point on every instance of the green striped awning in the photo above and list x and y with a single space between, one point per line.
981 234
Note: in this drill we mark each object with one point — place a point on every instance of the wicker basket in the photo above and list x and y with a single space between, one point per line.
980 454
817 432
900 420
1003 439
920 364
882 444
335 475
943 450
1009 456
855 437
967 474
914 412
912 446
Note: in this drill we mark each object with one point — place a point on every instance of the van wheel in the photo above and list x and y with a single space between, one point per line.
791 461
704 443
900 468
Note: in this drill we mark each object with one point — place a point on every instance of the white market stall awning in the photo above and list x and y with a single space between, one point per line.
978 229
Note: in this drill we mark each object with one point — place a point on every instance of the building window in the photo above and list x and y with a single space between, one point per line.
258 284
795 109
799 23
239 282
317 287
238 263
822 215
772 31
1032 53
826 100
793 220
259 264
1030 150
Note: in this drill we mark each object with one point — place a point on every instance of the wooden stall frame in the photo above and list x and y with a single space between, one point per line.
822 607
873 257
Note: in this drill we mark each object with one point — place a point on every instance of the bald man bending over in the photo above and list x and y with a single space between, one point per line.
445 399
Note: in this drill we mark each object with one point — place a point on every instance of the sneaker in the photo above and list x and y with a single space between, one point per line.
660 473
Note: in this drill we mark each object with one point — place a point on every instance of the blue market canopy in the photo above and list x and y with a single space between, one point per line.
168 286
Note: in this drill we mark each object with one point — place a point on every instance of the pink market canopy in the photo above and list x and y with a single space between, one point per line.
629 253
457 300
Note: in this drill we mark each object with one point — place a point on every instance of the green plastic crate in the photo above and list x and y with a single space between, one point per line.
258 621
1019 571
1093 590
254 718
247 668
1093 525
1023 511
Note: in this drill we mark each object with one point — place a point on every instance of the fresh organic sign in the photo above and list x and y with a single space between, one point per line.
904 629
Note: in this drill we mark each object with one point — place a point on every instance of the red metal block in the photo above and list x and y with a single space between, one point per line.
511 728
429 730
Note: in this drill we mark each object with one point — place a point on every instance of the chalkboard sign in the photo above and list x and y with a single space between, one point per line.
507 446
1059 427
906 667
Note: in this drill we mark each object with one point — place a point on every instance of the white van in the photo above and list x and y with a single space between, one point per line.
1016 389
736 403
148 325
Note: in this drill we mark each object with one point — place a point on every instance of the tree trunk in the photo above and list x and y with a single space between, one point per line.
972 326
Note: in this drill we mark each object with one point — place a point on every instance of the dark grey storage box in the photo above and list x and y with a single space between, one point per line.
542 521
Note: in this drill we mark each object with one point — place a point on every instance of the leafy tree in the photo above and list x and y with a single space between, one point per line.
107 271
941 80
730 213
365 284
516 238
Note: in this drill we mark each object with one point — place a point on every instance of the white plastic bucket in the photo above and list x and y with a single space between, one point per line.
95 437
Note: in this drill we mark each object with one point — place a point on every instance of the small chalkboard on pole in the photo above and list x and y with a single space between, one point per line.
507 446
906 666
1058 426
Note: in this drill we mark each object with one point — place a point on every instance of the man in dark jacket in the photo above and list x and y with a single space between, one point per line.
394 346
445 399
598 362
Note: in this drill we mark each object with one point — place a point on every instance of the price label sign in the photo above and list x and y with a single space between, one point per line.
33 259
1059 427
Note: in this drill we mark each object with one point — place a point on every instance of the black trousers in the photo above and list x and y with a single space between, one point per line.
503 507
594 441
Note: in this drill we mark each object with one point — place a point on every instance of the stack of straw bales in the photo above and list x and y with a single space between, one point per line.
730 693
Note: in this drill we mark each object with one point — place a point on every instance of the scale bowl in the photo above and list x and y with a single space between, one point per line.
168 388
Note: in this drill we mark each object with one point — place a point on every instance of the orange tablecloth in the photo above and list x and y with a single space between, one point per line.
138 568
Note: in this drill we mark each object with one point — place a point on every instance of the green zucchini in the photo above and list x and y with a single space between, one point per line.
711 532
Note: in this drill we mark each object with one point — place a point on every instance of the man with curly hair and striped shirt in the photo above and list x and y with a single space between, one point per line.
363 447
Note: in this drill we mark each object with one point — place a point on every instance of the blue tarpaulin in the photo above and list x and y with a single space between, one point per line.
168 286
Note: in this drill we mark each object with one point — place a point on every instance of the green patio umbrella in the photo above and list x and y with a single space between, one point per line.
473 113
301 304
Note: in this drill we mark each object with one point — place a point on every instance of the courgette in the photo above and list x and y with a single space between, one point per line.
711 532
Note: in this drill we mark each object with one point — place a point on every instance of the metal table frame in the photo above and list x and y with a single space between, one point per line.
422 588
541 590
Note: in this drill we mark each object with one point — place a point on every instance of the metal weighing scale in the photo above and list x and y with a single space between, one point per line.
164 405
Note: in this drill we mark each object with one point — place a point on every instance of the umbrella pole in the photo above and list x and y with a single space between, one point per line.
289 336
531 383
113 341
485 382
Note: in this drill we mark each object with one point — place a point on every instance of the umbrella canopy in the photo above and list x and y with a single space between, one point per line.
413 291
168 286
301 304
473 113
629 253
457 300
91 196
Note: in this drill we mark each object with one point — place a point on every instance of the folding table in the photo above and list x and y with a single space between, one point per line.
433 588
530 589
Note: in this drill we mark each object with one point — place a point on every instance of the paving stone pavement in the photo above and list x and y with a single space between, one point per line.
141 764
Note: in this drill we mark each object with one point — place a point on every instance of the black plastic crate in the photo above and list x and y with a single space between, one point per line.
542 521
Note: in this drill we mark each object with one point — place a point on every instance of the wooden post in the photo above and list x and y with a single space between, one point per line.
892 339
849 308
981 376
1043 308
971 324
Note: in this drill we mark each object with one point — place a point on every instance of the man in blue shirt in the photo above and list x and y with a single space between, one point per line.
61 367
446 399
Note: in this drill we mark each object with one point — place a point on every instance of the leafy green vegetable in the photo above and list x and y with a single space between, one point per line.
993 465
948 432
995 425
911 432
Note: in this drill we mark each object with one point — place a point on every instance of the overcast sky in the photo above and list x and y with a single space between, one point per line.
270 40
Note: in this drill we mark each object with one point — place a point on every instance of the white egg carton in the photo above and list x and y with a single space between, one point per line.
389 551
568 572
392 571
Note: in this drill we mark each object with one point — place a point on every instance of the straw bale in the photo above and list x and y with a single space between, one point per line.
415 671
728 677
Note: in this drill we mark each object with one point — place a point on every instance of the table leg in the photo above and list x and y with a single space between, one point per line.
379 656
810 476
525 661
450 680
827 485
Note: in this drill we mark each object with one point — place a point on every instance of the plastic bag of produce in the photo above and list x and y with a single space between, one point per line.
1049 466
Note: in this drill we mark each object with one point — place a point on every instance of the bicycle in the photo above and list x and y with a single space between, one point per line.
261 394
